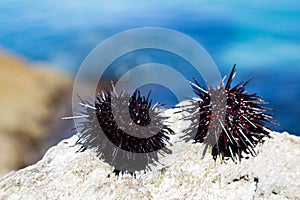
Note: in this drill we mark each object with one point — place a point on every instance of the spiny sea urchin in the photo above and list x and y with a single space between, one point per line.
237 126
129 144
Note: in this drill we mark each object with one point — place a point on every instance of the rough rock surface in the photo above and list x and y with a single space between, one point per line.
30 95
64 174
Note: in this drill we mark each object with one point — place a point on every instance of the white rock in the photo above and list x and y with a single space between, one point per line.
64 174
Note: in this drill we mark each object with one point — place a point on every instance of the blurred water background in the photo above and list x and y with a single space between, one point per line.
261 37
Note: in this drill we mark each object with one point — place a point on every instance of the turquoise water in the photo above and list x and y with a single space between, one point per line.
262 38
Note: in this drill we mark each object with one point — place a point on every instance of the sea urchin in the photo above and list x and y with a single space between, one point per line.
235 127
118 139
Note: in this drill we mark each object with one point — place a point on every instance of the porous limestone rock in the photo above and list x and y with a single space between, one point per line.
64 173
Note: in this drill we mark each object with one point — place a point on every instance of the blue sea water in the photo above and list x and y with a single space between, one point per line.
261 37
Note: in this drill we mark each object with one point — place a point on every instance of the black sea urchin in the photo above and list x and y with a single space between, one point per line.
129 144
235 127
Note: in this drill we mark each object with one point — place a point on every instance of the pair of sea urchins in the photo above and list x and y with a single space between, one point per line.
237 126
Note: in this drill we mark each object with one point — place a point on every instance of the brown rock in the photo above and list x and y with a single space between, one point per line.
32 99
